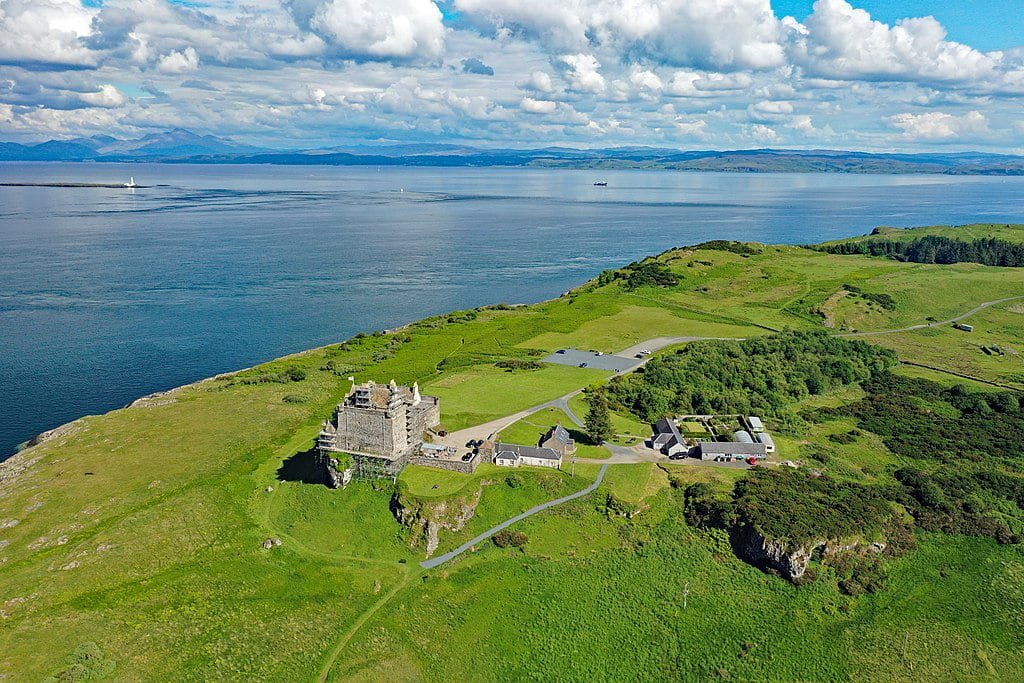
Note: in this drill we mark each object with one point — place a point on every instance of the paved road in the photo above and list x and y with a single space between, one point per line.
441 559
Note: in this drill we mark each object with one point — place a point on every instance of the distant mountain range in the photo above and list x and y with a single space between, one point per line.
182 146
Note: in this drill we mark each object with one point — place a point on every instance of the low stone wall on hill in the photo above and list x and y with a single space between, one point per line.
466 467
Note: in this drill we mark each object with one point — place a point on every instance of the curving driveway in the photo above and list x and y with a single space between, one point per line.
441 559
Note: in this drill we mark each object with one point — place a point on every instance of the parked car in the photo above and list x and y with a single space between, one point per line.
639 355
583 365
467 457
562 351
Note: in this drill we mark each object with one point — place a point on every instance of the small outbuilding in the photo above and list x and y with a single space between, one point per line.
667 438
558 439
742 436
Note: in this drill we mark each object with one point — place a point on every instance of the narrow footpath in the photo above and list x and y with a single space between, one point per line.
441 559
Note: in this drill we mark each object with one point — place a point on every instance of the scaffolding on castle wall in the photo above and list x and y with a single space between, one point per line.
378 467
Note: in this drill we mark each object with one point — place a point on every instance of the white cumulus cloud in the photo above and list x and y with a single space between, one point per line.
532 106
840 41
45 32
583 73
937 125
176 62
375 29
719 33
106 96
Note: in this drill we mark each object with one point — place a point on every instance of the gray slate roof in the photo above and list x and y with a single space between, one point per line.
559 432
504 450
732 448
665 433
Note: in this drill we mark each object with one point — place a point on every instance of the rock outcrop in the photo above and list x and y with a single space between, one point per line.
425 518
790 559
336 476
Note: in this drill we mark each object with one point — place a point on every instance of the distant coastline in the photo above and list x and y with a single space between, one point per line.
182 146
119 186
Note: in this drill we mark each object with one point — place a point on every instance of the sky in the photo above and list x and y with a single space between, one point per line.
875 75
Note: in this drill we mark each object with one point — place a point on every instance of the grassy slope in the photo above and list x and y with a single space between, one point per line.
141 530
606 601
1009 232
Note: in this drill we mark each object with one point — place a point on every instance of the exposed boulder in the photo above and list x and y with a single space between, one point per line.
338 473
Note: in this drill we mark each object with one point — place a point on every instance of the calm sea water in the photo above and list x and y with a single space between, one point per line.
110 294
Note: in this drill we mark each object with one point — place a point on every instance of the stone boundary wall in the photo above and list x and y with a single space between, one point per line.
467 467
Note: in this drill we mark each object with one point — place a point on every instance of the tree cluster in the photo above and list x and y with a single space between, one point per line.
988 251
759 375
647 273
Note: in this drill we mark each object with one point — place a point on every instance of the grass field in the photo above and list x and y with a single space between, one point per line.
635 483
139 534
473 396
632 325
531 429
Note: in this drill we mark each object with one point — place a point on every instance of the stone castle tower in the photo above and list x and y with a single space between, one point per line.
380 426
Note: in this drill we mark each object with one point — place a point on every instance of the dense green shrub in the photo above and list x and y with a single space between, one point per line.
732 247
759 375
964 442
512 364
649 273
506 538
796 506
883 300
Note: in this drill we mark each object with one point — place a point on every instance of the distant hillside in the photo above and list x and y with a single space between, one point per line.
184 146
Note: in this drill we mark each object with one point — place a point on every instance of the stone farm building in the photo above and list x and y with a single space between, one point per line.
721 451
380 426
667 438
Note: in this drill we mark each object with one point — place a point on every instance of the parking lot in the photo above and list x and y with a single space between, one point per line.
598 362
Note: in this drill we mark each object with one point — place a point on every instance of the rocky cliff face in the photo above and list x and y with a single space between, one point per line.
337 477
792 560
424 519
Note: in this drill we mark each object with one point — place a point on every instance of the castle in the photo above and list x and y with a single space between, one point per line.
380 426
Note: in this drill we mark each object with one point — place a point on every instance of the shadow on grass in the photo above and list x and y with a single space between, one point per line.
580 437
302 467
